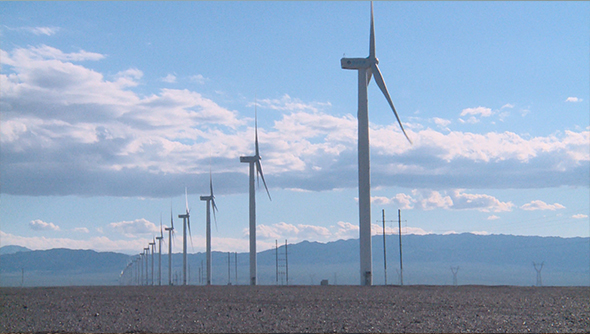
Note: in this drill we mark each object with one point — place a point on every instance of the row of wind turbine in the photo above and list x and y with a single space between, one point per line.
367 69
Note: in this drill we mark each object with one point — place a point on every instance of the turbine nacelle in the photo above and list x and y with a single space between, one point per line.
207 198
249 159
357 63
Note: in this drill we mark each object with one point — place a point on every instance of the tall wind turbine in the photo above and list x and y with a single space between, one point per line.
170 232
366 68
160 239
210 203
186 222
254 162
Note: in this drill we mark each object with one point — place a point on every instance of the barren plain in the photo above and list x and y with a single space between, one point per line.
269 309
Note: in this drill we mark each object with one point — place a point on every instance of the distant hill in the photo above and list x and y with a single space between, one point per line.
12 249
482 259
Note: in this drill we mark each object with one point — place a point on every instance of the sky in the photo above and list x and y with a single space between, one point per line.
109 110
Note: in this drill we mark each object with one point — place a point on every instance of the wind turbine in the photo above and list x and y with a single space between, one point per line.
153 246
170 232
254 160
366 67
147 252
186 221
160 239
210 203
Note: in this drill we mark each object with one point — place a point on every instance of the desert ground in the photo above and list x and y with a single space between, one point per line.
266 309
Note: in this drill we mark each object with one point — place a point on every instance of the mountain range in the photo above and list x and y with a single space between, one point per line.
427 259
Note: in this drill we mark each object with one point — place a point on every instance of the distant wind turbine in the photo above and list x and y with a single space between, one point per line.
170 233
366 67
147 252
210 204
254 160
153 247
186 222
160 239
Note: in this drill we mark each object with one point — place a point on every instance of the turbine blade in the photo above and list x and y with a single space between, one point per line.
259 171
186 199
171 218
161 230
210 185
188 222
381 84
256 131
372 37
369 75
214 207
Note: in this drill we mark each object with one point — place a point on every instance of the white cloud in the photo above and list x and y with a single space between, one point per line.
345 230
540 205
39 225
134 228
287 103
507 106
573 99
200 79
580 216
101 243
430 200
170 78
442 123
493 217
81 230
481 202
479 111
45 52
341 230
401 201
292 232
424 199
48 31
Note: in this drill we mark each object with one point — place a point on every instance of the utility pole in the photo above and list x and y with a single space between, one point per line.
236 264
401 266
384 248
277 261
228 268
286 262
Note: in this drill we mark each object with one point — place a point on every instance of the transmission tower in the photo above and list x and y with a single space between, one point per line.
455 270
282 265
538 268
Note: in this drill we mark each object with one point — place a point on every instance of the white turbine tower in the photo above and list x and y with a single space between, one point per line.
210 204
254 160
170 233
186 221
160 239
153 247
366 67
147 274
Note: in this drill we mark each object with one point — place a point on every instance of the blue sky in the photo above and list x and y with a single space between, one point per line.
110 109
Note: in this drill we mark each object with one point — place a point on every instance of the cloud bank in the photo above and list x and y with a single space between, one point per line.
70 130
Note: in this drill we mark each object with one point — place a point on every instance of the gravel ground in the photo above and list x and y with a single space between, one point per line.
324 309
